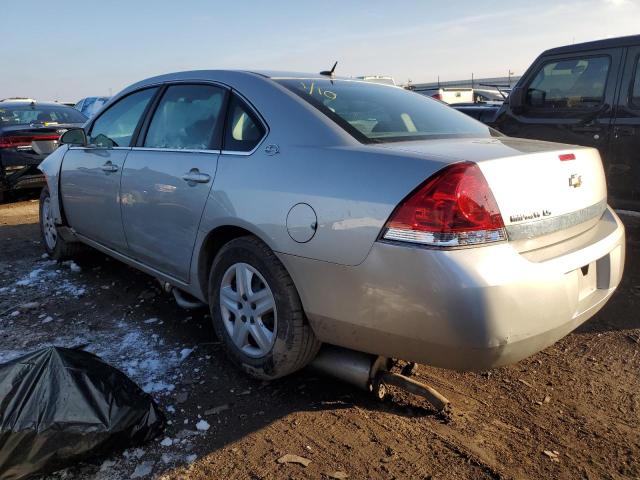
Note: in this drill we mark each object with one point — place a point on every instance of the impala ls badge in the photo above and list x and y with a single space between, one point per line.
575 180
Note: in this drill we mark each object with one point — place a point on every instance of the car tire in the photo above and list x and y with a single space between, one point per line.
276 343
56 247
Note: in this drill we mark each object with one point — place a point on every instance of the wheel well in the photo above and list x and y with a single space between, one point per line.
215 240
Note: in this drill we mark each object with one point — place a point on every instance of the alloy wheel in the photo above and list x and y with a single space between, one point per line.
248 310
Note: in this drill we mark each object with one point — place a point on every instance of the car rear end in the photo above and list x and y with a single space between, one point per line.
28 133
488 261
484 249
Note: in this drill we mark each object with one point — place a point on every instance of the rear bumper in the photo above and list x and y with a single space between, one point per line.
467 309
19 170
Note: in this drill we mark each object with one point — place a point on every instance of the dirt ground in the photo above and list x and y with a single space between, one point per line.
579 398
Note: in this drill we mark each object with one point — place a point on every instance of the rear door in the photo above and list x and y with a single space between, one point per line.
568 98
623 166
90 177
168 175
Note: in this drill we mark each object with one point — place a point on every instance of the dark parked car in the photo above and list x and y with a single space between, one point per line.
485 112
29 131
585 94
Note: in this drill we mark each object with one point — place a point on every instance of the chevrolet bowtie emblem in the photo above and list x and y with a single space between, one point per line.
575 180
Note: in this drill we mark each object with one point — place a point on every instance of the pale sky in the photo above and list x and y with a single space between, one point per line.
66 50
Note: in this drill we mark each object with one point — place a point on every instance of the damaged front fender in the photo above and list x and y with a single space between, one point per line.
51 167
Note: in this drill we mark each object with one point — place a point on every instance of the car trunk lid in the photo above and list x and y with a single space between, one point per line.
546 192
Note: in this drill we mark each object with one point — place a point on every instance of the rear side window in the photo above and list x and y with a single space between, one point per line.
116 126
569 84
635 92
243 130
187 117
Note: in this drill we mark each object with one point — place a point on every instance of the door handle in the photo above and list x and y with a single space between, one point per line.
624 131
586 128
109 167
194 176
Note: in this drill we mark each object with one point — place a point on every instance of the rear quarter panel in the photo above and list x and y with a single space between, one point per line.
353 190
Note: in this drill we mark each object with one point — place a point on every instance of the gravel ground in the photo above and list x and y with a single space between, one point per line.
578 400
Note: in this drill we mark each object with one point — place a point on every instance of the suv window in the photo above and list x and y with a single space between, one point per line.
635 92
243 131
115 127
186 118
569 84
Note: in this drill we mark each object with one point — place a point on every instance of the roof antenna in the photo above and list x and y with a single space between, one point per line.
329 73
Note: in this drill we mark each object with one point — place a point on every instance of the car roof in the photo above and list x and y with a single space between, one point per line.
597 44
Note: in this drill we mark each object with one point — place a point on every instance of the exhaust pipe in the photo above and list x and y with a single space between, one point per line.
372 373
183 299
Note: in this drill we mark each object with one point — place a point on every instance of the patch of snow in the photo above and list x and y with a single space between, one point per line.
167 442
142 470
184 353
203 425
151 320
47 319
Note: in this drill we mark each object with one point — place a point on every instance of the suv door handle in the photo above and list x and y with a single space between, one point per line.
624 131
194 176
109 167
586 128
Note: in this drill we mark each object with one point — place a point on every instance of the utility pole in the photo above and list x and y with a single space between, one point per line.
510 73
471 79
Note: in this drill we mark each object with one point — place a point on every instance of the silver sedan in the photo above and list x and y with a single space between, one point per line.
308 209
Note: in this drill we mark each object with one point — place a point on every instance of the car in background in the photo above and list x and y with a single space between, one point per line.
381 79
481 95
308 209
89 106
449 95
585 94
484 112
29 131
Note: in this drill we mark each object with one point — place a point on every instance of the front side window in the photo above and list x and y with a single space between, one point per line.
116 126
243 130
635 92
186 118
378 113
569 84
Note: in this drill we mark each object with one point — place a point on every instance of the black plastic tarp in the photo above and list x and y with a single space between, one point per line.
59 405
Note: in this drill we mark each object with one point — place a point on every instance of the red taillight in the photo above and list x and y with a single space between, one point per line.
453 208
437 96
23 140
566 156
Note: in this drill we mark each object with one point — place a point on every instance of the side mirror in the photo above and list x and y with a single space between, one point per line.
74 136
516 99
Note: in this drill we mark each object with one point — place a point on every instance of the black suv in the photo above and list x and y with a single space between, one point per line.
585 94
29 131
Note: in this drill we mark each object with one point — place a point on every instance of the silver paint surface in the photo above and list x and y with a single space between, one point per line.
468 308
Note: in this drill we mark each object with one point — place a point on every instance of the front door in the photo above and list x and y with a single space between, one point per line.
90 177
167 178
568 99
623 166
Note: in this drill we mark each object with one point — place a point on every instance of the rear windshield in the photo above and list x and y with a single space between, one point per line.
25 114
377 113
